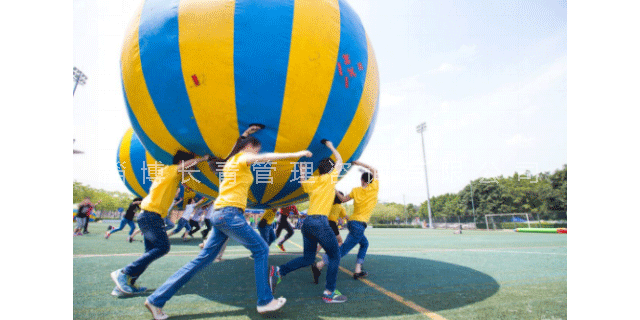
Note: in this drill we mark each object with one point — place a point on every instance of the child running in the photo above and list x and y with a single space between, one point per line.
316 229
127 219
228 222
365 199
284 224
154 208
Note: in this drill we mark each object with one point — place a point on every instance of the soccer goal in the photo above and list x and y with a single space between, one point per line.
506 220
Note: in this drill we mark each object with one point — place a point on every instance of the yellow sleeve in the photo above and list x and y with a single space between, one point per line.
308 185
343 212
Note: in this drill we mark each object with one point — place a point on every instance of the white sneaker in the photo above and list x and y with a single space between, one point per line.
157 313
274 305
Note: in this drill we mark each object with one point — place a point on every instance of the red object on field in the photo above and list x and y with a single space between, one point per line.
562 230
195 80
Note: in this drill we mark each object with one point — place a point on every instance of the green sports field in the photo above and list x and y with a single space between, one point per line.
413 274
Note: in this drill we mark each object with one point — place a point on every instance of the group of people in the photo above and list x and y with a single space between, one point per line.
226 216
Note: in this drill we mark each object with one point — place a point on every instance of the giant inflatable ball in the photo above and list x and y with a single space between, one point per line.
196 74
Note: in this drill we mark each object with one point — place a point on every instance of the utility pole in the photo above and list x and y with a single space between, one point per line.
79 78
421 128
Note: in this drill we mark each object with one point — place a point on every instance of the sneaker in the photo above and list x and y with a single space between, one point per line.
157 313
107 235
130 240
359 275
117 293
335 297
274 278
201 245
137 290
272 306
316 273
281 246
122 281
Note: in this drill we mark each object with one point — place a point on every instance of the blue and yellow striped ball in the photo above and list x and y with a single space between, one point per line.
197 73
137 169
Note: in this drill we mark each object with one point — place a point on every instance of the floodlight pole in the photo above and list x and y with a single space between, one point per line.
79 78
421 128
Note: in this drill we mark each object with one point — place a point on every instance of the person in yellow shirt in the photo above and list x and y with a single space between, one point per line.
265 226
228 221
155 207
315 229
365 199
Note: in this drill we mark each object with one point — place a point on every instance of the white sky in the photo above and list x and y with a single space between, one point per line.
488 77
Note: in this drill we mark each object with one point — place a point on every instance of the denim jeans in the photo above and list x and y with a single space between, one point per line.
316 229
267 234
182 223
227 222
355 236
167 222
156 243
124 222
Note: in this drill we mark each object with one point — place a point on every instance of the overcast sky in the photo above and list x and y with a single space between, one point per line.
488 77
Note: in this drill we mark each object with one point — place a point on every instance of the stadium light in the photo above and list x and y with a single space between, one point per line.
421 128
79 78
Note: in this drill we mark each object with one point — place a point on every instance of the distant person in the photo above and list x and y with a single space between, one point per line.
265 226
127 219
82 216
365 199
284 224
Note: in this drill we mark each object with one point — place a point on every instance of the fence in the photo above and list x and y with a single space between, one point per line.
477 222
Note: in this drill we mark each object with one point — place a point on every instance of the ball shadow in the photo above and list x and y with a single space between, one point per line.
430 284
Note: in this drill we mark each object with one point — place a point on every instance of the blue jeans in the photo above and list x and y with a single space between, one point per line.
227 222
267 234
316 229
355 236
156 243
182 223
124 222
167 222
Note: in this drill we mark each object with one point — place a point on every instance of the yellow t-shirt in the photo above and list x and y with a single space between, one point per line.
268 216
162 191
364 200
236 180
322 191
337 211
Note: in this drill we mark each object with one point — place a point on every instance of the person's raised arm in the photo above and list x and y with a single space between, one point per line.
339 163
370 168
190 163
265 157
343 198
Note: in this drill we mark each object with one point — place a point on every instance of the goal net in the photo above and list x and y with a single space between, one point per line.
507 220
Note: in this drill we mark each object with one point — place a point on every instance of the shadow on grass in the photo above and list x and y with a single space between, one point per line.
430 284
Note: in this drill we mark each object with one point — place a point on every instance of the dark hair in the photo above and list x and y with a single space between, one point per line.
367 177
337 200
325 165
181 156
216 164
137 199
191 200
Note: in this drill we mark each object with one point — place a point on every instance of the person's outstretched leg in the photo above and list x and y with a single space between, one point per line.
181 277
